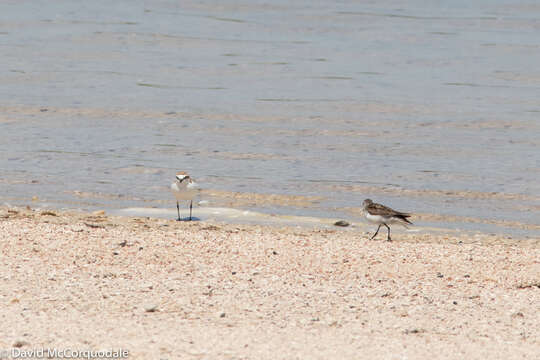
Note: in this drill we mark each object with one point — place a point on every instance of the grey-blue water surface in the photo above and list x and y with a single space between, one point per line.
426 107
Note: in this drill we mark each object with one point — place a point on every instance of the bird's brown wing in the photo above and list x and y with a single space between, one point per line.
378 209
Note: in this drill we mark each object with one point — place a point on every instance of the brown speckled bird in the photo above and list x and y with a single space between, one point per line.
383 215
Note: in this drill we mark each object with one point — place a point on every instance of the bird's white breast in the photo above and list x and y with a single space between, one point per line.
377 219
184 190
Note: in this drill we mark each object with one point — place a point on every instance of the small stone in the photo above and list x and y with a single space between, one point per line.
150 308
98 213
222 315
20 343
439 275
48 213
342 223
454 302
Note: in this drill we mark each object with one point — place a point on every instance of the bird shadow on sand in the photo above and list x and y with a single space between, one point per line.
194 218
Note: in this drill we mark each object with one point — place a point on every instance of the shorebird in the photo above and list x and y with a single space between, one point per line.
383 215
184 188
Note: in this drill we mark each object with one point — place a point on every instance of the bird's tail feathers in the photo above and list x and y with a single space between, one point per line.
404 221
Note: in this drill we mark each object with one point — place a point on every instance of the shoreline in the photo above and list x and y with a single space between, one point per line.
167 289
297 207
241 217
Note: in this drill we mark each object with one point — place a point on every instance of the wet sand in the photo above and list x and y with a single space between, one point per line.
204 290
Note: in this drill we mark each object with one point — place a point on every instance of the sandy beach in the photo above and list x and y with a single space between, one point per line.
163 289
288 114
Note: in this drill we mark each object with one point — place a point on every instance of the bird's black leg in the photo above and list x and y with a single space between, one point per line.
178 210
376 232
190 209
388 232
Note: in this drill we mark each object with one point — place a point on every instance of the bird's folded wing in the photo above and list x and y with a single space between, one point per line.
378 209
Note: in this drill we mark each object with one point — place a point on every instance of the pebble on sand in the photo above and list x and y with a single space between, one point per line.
150 308
20 343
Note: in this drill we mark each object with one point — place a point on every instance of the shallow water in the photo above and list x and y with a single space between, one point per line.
428 109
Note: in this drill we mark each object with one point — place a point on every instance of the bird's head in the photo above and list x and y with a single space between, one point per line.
366 203
182 176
